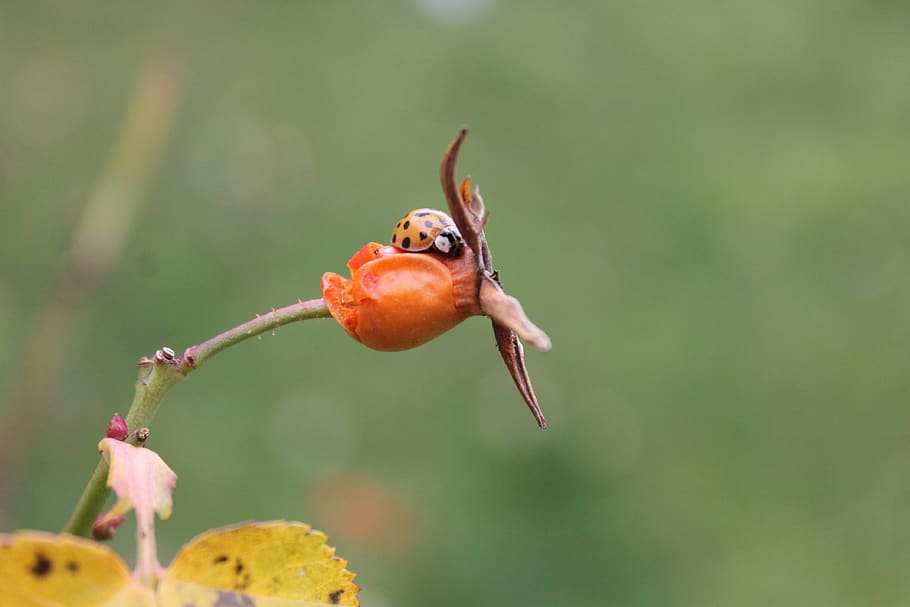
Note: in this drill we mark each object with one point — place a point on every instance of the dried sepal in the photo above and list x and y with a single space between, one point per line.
469 223
507 311
513 355
509 319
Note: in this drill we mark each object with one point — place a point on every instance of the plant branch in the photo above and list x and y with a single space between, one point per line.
195 356
159 373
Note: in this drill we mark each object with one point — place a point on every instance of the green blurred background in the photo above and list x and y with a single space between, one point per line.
705 204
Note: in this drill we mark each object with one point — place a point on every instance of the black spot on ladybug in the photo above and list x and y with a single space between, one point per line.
394 238
221 558
407 225
428 223
406 242
423 236
42 565
72 566
398 225
335 597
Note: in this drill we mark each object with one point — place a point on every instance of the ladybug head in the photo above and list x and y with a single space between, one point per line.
449 241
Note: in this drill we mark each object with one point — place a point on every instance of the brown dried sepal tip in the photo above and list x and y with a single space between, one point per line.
105 529
509 319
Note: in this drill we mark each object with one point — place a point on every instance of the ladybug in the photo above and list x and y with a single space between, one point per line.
424 229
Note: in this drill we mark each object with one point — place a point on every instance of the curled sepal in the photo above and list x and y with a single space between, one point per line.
469 222
143 482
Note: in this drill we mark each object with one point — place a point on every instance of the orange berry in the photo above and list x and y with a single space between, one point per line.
396 300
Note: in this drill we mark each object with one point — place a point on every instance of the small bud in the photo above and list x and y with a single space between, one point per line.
142 435
168 353
117 428
104 529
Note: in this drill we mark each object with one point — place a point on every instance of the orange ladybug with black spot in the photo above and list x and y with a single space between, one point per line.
425 229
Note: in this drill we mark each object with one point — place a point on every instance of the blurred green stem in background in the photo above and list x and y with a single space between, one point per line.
158 374
102 229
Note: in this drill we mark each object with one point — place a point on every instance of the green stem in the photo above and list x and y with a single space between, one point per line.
157 375
91 502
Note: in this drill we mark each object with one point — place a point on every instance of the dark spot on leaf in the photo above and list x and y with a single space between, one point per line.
42 566
243 582
72 566
407 225
334 597
406 242
423 236
221 558
428 223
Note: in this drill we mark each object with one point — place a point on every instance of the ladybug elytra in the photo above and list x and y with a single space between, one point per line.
424 229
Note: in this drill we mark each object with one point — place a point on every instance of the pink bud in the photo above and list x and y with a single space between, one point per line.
104 530
117 428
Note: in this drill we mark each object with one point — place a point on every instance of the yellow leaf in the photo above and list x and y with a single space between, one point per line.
277 564
264 564
44 570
